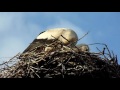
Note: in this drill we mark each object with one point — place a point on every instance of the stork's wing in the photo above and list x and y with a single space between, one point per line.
41 32
36 43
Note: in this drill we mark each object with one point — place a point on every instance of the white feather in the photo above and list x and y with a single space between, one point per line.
69 34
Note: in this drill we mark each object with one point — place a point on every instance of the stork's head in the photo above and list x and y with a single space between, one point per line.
83 47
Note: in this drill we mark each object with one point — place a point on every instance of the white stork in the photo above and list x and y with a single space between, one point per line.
83 47
65 35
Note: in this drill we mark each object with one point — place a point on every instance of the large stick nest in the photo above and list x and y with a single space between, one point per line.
61 63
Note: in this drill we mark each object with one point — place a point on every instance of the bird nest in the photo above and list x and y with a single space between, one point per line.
61 63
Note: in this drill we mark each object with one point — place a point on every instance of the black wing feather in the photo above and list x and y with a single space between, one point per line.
36 43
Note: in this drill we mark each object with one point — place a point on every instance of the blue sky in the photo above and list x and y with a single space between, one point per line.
18 29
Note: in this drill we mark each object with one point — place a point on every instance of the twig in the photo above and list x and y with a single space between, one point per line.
83 36
103 54
10 59
35 73
108 51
